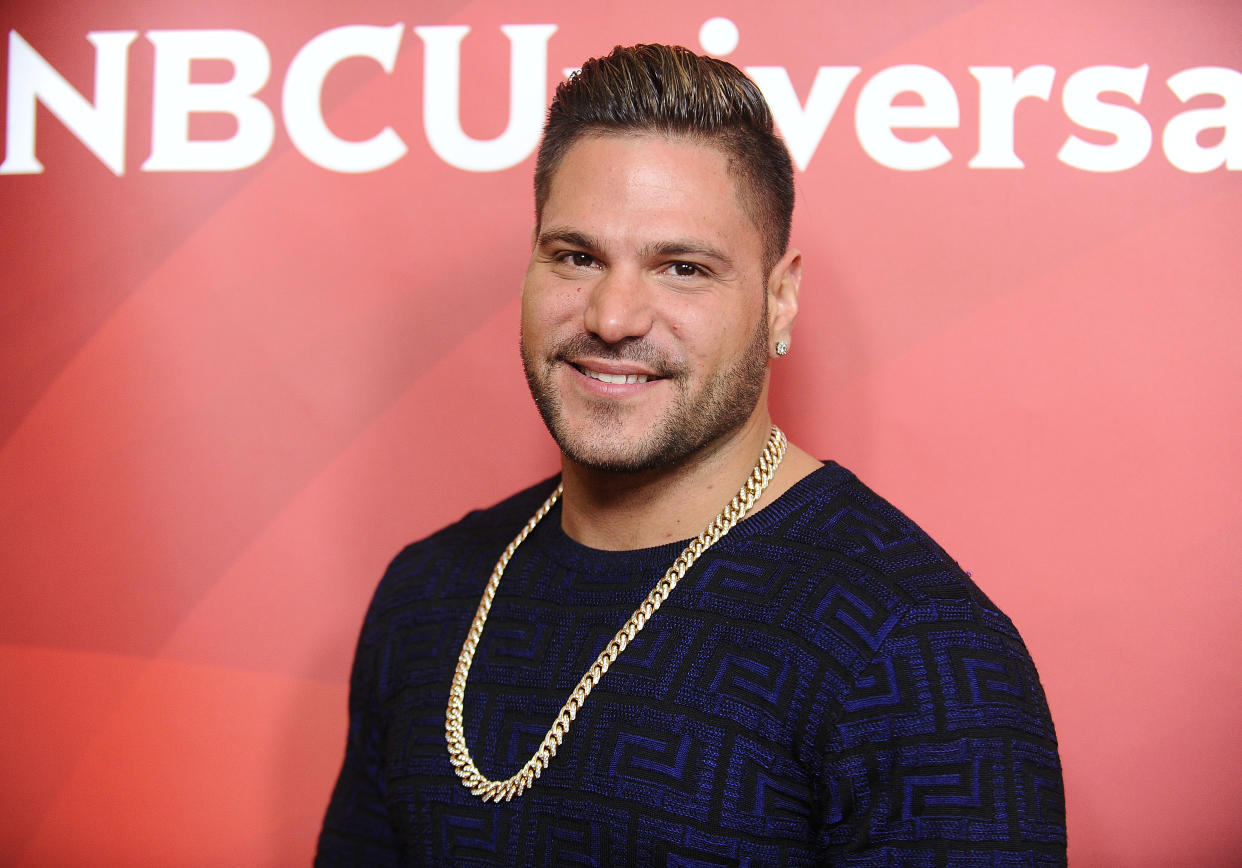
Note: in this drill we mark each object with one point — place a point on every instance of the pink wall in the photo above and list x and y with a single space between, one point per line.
231 392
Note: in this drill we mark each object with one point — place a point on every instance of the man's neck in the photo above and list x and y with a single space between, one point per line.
623 511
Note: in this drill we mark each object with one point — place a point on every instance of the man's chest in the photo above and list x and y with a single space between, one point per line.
686 749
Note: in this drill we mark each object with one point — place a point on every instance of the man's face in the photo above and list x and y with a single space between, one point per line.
644 314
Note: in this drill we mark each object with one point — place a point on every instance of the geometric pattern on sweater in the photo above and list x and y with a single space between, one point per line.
825 686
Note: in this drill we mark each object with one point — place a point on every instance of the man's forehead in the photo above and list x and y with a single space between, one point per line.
687 171
586 150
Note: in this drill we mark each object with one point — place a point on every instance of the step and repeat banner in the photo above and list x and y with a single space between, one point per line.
258 330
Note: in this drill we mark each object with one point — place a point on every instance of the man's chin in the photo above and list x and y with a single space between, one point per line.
620 456
607 437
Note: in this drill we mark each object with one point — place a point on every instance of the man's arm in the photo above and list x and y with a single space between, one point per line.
357 830
943 752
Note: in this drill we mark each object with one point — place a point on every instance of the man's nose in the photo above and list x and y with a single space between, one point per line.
619 306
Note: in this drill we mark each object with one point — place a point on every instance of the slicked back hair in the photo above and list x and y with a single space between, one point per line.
670 90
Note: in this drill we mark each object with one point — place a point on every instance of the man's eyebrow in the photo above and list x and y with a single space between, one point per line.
691 248
569 237
688 247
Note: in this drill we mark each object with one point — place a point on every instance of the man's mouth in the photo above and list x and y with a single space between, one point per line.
613 378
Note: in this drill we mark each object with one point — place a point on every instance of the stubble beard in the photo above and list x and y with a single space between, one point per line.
719 407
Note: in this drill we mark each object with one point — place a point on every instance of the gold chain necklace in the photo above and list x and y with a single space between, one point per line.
454 729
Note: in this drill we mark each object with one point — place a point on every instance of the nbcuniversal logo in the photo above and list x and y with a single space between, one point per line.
915 99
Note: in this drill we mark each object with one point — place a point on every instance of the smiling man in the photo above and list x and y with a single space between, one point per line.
699 645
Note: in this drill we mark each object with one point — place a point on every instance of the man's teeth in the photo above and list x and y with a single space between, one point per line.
615 378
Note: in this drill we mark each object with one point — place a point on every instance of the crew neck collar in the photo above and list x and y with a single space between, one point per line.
552 541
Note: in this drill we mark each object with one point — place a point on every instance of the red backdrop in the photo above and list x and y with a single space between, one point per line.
244 361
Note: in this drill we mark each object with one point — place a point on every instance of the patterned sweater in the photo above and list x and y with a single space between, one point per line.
824 687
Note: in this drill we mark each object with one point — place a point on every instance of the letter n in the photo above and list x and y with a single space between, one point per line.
99 125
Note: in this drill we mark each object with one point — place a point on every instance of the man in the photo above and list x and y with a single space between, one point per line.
814 683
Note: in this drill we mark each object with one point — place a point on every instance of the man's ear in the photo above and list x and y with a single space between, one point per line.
783 285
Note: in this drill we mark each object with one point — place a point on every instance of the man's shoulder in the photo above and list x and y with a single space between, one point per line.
870 564
506 516
429 566
885 603
833 511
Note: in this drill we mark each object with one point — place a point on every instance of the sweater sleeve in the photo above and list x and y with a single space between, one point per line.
357 830
942 752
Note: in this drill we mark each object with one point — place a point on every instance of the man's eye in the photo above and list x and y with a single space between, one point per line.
579 260
685 269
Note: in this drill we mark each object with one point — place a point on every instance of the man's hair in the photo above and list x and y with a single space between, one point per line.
670 90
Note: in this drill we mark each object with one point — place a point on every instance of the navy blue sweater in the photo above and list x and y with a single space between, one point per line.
824 687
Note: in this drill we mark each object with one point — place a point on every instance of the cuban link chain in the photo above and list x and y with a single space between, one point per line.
454 729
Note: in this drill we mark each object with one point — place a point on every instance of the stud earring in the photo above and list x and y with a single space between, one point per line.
782 348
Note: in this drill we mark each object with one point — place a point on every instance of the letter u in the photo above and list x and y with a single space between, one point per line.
528 74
